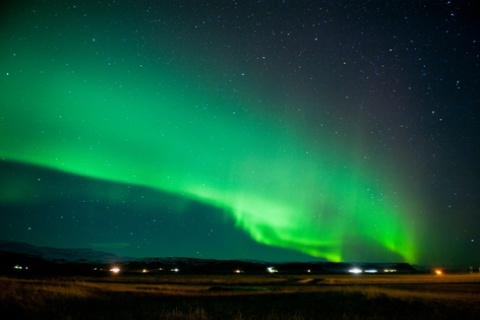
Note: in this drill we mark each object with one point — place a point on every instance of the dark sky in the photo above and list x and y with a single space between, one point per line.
274 130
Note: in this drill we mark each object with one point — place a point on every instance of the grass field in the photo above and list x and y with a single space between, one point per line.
242 297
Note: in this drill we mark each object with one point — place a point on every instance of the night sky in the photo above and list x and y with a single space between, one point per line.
270 130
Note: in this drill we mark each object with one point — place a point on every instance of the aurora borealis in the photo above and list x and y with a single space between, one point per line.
241 130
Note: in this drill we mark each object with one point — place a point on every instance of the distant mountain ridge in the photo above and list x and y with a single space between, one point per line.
47 259
74 255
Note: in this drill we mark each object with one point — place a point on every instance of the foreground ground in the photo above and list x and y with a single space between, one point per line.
242 297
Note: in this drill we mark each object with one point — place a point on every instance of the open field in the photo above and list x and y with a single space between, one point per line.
242 297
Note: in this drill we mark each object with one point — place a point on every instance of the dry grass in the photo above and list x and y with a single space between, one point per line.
242 297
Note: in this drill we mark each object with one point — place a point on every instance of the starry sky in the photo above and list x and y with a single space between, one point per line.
269 130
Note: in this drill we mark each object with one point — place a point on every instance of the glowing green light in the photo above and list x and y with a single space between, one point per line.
151 128
285 199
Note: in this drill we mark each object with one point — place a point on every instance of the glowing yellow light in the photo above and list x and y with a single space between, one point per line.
438 272
115 270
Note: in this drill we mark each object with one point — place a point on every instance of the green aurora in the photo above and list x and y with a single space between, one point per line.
73 107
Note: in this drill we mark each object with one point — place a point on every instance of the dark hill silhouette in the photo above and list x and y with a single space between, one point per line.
16 257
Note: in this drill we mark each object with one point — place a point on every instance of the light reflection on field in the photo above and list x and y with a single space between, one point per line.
175 296
468 284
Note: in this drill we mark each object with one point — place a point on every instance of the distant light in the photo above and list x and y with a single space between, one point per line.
389 270
18 267
144 270
238 271
272 270
309 270
371 271
175 270
438 272
115 270
355 271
